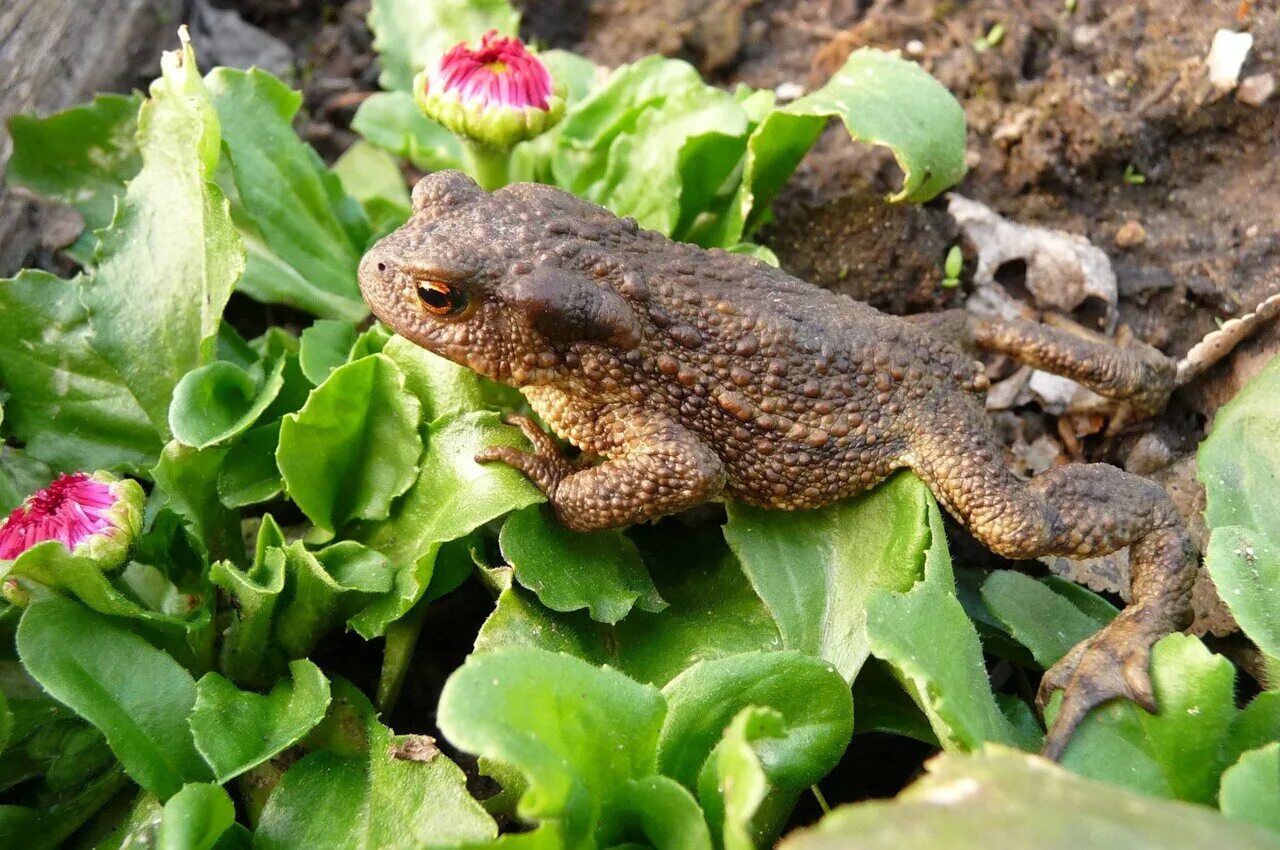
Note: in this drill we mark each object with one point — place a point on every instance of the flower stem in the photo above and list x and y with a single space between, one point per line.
489 165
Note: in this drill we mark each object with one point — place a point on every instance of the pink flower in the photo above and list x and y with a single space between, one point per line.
497 94
501 70
96 515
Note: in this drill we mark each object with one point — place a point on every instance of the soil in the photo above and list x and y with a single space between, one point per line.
1060 109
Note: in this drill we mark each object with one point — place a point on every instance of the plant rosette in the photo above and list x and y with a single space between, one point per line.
492 97
96 516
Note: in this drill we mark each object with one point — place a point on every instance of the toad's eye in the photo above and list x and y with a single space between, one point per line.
441 299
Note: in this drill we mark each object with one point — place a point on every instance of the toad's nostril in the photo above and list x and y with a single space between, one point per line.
382 267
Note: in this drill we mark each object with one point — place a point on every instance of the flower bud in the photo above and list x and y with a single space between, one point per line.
498 94
94 516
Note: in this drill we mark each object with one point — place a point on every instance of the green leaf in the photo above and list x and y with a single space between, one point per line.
1178 753
56 770
386 791
392 121
372 341
798 722
51 565
1239 462
290 598
81 156
611 113
249 474
815 570
247 648
601 572
325 346
1041 620
444 388
353 447
653 812
761 252
1005 799
811 699
195 818
452 494
884 706
137 695
579 75
372 176
220 401
882 99
6 723
1257 724
408 35
575 731
20 476
172 229
324 589
411 581
1245 567
187 481
734 788
931 644
712 612
294 203
237 730
30 829
668 169
1251 788
66 403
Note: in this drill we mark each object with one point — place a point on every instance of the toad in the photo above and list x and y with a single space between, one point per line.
699 374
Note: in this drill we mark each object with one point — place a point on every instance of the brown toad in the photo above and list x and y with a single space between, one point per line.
698 374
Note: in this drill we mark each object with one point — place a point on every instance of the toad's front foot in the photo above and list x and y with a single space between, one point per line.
1113 664
545 466
660 468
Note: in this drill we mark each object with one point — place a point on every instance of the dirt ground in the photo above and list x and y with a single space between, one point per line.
1064 106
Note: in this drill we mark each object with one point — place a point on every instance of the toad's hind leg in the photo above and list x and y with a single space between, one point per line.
1080 510
1134 372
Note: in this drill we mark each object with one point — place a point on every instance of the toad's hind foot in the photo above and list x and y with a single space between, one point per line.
1079 511
1113 664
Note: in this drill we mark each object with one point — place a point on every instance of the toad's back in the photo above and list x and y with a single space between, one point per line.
805 395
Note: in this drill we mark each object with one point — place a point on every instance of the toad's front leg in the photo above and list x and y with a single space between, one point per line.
658 468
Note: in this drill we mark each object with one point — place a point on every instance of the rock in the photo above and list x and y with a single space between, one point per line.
1149 454
225 38
1085 35
1131 234
789 91
1256 89
1226 57
61 227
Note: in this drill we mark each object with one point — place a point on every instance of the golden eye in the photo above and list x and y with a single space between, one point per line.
441 299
